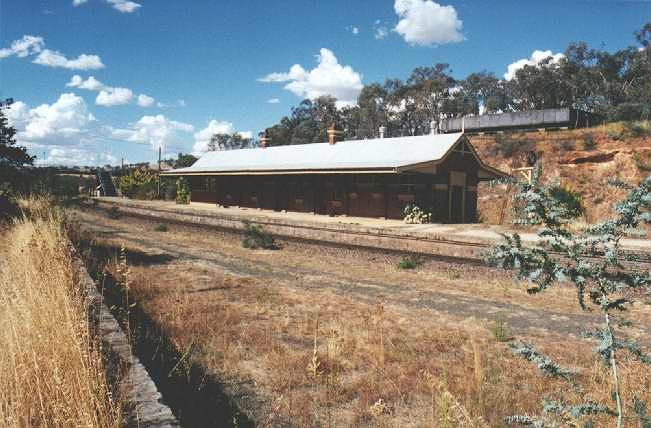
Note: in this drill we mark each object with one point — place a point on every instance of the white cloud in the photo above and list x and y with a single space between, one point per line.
64 122
27 45
90 84
327 78
33 45
535 59
380 31
353 29
145 100
273 101
57 59
182 103
124 6
114 97
427 23
202 138
109 96
157 131
83 156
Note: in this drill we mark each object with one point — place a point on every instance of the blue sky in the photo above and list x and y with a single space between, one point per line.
214 66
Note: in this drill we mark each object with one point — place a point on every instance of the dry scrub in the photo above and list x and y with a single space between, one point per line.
316 355
322 360
51 368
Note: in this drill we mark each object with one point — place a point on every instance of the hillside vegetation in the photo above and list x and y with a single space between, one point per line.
581 160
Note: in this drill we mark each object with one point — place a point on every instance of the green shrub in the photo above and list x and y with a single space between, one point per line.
568 200
114 213
182 191
591 261
410 262
139 184
160 228
256 237
416 215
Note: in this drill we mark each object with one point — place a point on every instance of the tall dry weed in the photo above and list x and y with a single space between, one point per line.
51 368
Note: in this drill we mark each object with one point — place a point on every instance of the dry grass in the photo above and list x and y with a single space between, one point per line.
324 360
51 370
318 357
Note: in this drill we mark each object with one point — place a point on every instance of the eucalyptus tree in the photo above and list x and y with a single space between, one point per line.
602 273
12 156
372 102
232 141
430 90
488 91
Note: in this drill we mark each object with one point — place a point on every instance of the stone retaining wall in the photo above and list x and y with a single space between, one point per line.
148 409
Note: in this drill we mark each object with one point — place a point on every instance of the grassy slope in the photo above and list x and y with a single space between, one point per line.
631 162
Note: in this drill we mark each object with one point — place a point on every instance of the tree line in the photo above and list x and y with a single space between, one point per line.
617 86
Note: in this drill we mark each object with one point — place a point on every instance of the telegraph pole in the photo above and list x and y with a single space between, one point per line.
159 155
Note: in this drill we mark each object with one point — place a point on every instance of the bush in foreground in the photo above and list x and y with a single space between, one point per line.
416 215
114 213
139 184
410 262
51 368
182 191
593 262
256 237
161 227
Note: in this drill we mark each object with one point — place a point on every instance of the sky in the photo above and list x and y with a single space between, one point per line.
98 81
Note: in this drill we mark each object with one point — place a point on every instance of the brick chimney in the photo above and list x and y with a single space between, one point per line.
332 134
264 141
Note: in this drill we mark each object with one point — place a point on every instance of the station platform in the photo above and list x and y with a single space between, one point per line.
462 241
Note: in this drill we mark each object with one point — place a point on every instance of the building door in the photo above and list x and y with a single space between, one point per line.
457 197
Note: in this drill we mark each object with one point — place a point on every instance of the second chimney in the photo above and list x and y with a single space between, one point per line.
264 141
332 134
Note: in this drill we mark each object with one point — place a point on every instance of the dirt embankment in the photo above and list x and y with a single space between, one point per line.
581 160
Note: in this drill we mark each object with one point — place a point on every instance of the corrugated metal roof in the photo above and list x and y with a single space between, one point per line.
385 153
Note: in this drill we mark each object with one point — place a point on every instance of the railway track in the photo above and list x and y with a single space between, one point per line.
439 248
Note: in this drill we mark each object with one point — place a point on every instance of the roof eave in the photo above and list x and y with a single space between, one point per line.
286 172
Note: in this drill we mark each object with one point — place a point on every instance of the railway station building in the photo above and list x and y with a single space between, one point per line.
360 178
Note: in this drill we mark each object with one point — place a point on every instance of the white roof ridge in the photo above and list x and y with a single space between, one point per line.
391 154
